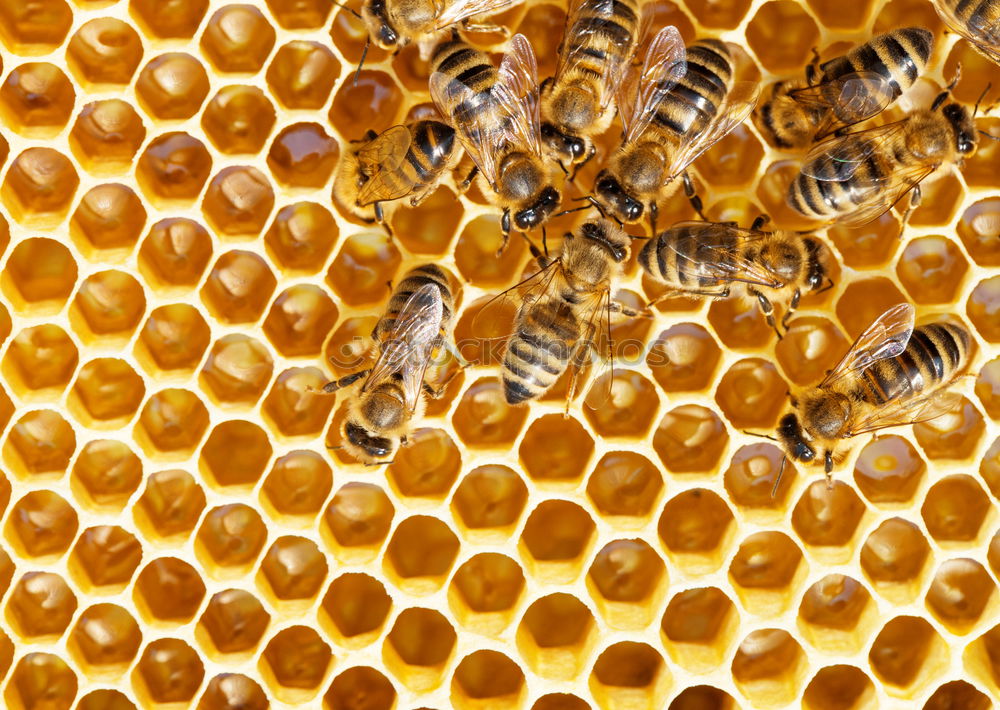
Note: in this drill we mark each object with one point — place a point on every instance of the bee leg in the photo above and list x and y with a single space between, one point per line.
915 195
380 218
504 231
654 212
579 166
619 307
485 27
438 392
760 222
792 307
828 468
467 182
692 196
812 69
767 308
346 381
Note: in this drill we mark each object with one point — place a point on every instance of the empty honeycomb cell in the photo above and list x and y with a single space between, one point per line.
361 686
931 269
828 515
172 86
751 394
418 648
489 498
485 592
169 671
237 369
941 199
169 590
356 606
483 419
427 467
104 558
230 539
840 687
955 509
836 614
41 524
555 539
989 467
486 678
174 338
39 276
294 568
556 448
622 404
411 228
297 486
39 360
172 423
40 444
690 439
41 606
175 254
303 155
960 593
739 324
702 696
36 99
810 347
476 254
293 407
299 320
107 223
105 699
302 74
174 19
365 264
104 640
752 479
626 580
695 527
982 308
988 388
683 358
107 307
733 161
301 237
836 15
955 435
104 51
420 554
786 49
41 680
556 635
769 667
238 119
368 102
870 245
865 300
358 518
625 485
238 202
893 557
294 663
481 334
173 168
765 571
236 453
723 16
958 693
629 672
238 39
234 622
233 691
905 653
105 475
239 287
698 627
889 470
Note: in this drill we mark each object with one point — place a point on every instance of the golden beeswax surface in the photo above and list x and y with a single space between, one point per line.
177 533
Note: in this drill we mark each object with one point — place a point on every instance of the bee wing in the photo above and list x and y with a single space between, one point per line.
847 100
575 49
517 95
910 411
463 9
838 158
982 33
886 337
408 347
665 64
473 133
381 155
740 101
598 326
527 291
882 195
722 262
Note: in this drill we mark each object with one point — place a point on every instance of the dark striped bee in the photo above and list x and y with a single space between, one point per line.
402 161
978 21
495 114
600 38
843 91
856 177
893 375
709 259
672 111
416 324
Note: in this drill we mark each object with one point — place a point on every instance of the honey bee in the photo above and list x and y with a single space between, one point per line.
564 308
600 38
709 259
674 109
495 114
401 161
856 177
893 375
978 21
416 324
843 91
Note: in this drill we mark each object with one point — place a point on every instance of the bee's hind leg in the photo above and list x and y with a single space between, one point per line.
346 381
380 218
485 27
915 197
767 308
793 305
693 197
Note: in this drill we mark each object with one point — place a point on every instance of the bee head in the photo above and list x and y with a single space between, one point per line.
962 124
569 149
373 14
793 439
538 211
364 445
615 200
612 239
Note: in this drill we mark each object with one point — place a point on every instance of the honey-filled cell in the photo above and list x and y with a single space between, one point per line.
759 479
628 671
238 38
698 627
239 119
234 622
417 648
39 187
233 691
107 307
354 609
169 671
303 155
172 86
238 202
104 52
302 74
173 169
104 559
108 222
173 338
36 99
626 486
301 237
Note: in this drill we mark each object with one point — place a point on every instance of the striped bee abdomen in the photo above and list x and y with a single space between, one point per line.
673 257
694 101
900 56
407 286
540 350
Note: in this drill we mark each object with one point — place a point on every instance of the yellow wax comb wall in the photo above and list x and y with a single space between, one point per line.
176 532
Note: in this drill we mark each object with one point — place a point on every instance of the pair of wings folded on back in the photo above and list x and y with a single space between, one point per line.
512 119
885 338
724 263
983 33
643 91
461 10
407 349
846 100
380 157
839 158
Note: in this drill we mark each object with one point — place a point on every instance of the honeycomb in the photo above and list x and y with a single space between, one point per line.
178 531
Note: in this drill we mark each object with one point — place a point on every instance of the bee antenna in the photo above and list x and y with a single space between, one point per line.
992 137
593 200
570 211
761 436
343 6
334 448
364 53
982 96
781 471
